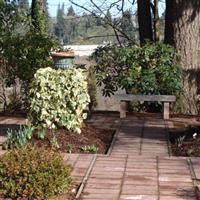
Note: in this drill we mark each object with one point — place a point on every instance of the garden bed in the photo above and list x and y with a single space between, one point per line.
185 141
91 139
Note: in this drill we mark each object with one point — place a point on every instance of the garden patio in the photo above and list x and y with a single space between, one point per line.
138 165
91 128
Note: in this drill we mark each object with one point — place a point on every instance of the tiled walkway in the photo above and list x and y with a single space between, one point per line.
139 166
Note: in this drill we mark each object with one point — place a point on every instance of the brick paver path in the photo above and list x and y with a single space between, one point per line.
139 166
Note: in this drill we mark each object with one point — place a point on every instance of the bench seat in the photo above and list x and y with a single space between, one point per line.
166 99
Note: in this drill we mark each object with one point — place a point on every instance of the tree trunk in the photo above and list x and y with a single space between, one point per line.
144 21
169 31
182 30
156 22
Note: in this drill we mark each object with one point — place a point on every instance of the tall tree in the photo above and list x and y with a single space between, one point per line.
60 23
182 30
127 24
39 18
71 11
108 16
169 20
144 21
156 21
23 4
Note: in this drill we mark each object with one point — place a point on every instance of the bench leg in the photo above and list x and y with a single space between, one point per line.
166 110
122 109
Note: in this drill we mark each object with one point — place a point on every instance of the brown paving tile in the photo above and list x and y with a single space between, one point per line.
170 197
138 197
104 185
139 189
95 196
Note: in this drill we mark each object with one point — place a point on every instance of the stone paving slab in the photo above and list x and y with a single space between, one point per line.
140 178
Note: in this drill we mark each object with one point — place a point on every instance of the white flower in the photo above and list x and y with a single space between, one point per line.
194 135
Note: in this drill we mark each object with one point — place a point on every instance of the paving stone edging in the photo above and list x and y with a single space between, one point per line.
117 130
85 178
167 137
194 177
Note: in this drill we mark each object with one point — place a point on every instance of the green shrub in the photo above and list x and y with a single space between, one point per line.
149 69
58 99
33 173
18 138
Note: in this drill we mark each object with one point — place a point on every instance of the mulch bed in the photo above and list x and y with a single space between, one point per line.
72 142
185 143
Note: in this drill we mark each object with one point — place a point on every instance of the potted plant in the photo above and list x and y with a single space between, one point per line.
63 58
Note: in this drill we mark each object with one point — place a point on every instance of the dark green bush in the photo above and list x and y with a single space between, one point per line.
33 173
149 69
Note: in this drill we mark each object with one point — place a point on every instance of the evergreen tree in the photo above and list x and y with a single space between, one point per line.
23 4
108 16
71 11
98 21
39 18
60 24
127 24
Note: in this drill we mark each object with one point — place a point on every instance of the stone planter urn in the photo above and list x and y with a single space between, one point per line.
63 59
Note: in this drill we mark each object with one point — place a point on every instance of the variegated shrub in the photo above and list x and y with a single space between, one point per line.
58 99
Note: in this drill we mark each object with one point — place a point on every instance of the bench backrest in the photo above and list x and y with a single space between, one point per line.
160 98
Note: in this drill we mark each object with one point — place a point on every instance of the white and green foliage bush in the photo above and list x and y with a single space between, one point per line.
58 99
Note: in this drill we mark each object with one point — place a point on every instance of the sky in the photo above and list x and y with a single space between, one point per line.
53 5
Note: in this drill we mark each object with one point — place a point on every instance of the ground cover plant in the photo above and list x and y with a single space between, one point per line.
33 173
185 142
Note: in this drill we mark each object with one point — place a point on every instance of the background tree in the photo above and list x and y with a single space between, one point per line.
71 11
156 21
60 23
38 15
127 24
23 4
144 21
182 30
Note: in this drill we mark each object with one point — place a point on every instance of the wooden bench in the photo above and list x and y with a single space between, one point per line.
166 99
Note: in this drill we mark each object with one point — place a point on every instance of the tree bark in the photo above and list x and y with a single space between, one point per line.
144 21
182 30
169 31
156 22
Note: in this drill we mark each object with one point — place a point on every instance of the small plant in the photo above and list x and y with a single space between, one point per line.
89 148
179 141
189 152
33 173
69 148
54 142
41 133
18 138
